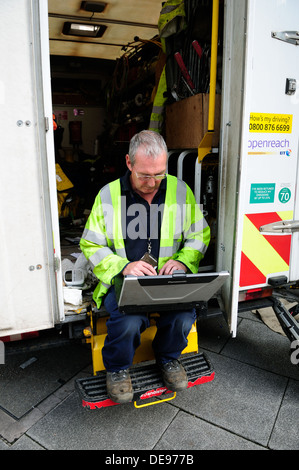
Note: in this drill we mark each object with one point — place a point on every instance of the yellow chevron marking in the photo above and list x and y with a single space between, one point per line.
260 252
286 215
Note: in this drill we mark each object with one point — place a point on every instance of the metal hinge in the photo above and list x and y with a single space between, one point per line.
284 226
291 37
56 264
47 127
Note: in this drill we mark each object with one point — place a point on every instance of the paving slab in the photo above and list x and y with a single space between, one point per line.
241 399
122 427
5 420
260 346
15 430
285 435
3 446
28 378
213 333
187 432
25 443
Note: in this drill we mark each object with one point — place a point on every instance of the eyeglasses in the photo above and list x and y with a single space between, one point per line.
148 177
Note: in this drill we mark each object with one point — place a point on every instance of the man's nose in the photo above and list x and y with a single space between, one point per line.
152 181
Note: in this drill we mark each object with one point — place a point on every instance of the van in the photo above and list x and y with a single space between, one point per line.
78 79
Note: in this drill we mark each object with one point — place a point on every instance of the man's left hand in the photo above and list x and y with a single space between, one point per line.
172 265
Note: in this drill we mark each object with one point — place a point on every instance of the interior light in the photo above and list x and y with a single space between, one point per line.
82 29
95 7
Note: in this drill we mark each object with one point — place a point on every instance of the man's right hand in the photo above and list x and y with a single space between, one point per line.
139 268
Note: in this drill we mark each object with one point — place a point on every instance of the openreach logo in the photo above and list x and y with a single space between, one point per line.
2 353
295 352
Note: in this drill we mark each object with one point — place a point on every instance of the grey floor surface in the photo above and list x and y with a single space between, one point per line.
252 404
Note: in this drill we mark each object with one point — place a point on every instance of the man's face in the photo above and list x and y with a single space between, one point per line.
146 166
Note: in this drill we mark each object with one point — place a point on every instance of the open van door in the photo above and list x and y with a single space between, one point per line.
230 151
260 212
31 286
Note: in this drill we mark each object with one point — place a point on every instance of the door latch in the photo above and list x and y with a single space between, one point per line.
283 226
292 37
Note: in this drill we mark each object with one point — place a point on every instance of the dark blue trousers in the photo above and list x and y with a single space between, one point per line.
123 334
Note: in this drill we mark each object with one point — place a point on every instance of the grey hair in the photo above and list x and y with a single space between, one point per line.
152 142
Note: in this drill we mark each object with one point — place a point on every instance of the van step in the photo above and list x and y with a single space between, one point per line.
146 380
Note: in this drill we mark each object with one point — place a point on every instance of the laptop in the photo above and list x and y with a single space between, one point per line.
177 291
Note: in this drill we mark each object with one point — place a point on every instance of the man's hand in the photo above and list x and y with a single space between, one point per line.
139 268
172 265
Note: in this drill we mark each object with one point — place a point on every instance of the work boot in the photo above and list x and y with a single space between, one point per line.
119 386
174 376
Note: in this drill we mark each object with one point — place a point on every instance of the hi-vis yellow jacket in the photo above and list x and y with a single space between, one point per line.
184 234
171 21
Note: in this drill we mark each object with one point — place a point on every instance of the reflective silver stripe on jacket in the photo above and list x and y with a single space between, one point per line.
155 125
157 109
109 217
195 245
106 195
197 227
168 251
107 210
181 193
121 252
105 285
94 237
99 255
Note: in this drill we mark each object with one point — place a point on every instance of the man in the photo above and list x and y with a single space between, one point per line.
169 233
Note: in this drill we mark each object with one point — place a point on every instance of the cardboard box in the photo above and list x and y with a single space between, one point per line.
187 122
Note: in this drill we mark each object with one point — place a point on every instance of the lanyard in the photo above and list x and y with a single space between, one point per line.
153 216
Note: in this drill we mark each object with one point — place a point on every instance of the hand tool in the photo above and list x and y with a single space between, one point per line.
184 71
197 48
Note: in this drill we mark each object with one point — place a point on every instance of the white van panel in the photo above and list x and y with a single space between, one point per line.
28 300
269 158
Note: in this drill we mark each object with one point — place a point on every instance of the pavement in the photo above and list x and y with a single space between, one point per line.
252 404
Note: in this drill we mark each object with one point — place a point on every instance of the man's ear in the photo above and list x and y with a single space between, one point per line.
128 162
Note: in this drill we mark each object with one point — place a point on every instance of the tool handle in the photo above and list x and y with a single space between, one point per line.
184 70
197 48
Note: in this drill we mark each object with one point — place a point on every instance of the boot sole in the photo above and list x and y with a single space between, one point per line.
125 398
176 388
